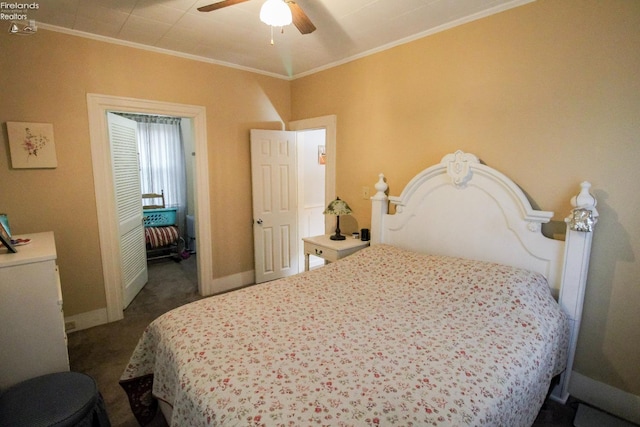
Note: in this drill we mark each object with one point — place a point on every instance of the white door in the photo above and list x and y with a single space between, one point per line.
275 230
126 176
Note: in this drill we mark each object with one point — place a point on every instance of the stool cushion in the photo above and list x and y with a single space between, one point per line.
60 399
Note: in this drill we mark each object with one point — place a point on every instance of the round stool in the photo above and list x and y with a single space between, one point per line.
61 399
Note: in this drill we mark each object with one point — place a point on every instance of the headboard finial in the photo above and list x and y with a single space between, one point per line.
584 214
381 186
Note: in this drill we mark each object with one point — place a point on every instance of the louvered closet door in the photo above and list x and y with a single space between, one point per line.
126 176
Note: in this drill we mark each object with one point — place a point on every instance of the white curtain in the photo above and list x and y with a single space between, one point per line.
162 162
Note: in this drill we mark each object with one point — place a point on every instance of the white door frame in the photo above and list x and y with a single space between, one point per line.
329 123
98 106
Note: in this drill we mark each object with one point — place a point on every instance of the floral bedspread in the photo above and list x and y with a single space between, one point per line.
382 337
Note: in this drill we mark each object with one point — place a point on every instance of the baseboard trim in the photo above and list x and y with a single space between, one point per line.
85 320
234 281
605 397
588 416
99 317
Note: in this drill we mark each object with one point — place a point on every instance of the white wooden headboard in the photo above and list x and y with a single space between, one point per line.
461 207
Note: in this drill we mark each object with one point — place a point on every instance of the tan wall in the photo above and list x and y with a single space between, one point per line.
549 94
45 78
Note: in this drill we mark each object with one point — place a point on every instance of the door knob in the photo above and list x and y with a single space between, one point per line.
259 221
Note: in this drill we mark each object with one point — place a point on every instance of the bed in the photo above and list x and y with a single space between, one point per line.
448 319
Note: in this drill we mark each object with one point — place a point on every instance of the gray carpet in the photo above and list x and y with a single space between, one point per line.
104 351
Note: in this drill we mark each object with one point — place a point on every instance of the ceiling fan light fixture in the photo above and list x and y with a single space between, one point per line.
276 13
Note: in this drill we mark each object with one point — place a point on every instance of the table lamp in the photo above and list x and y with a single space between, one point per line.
337 207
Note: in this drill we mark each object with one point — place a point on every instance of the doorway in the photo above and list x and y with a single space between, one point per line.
268 251
329 125
98 106
317 128
312 160
155 159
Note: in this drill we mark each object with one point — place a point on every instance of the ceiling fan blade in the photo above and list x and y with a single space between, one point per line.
220 5
300 19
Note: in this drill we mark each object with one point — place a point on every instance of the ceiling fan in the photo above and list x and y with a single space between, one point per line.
300 19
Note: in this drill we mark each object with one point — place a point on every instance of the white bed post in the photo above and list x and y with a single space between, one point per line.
379 208
574 275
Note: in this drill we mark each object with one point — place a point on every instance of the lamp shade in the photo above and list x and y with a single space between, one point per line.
276 13
338 207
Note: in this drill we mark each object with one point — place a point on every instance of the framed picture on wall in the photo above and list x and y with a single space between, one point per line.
31 145
322 154
5 239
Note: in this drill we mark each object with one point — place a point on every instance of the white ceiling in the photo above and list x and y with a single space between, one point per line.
346 29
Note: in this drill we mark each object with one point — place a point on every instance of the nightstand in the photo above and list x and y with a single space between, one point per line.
330 250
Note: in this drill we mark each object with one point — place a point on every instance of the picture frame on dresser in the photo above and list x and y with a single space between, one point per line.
5 238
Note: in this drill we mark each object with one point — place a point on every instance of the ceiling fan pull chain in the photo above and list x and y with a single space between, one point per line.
271 34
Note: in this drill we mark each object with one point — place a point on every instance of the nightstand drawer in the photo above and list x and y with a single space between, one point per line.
324 252
330 250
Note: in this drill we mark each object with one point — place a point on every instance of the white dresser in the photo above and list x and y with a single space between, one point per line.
32 336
